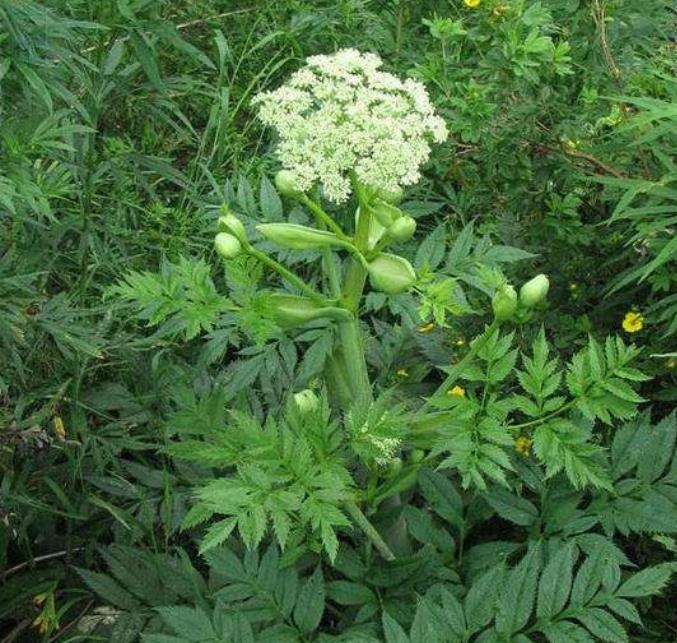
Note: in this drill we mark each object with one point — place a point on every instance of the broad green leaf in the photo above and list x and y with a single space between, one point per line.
392 630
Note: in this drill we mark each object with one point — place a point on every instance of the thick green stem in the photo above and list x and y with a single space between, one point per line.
350 333
336 380
353 363
370 531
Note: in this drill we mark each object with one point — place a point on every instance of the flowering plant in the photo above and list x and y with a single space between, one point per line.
329 470
341 116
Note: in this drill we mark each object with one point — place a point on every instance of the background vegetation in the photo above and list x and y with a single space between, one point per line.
125 125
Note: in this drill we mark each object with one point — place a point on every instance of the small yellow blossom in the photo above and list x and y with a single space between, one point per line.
426 328
41 623
473 4
59 428
523 445
460 342
457 391
633 322
402 372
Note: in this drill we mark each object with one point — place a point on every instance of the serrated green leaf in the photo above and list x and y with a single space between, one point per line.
217 534
512 507
392 630
189 623
647 582
519 592
480 602
555 583
310 604
603 625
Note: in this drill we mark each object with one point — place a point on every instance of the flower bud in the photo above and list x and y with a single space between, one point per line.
391 274
227 246
231 224
306 401
402 230
504 303
286 184
393 197
297 237
534 291
290 311
385 213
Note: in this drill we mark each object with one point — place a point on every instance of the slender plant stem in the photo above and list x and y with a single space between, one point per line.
284 272
456 370
545 418
323 217
369 530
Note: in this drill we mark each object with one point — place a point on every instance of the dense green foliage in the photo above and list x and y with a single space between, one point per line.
159 481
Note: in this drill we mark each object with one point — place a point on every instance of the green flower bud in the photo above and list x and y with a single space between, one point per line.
306 401
227 246
391 274
391 196
504 303
286 184
402 230
534 291
289 311
230 223
297 237
385 213
417 455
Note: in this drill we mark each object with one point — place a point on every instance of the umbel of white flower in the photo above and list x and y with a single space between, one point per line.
340 114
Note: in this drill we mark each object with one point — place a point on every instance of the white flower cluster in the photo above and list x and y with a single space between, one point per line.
341 114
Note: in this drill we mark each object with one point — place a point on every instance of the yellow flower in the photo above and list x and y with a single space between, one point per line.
633 322
523 445
41 623
457 391
59 428
402 372
426 328
473 4
459 342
